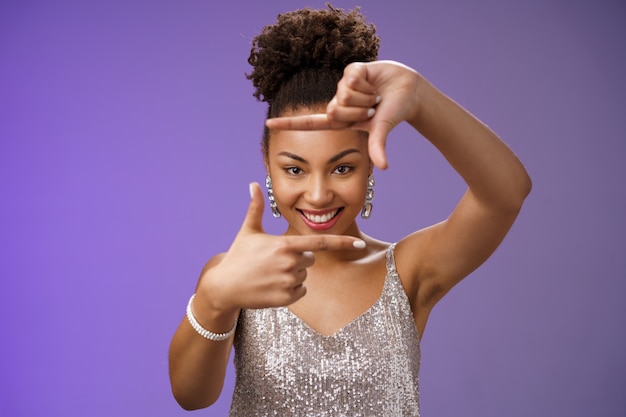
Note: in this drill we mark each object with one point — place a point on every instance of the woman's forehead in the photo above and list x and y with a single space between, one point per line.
316 143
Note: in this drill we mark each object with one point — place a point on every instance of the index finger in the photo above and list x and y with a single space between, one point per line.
305 122
323 243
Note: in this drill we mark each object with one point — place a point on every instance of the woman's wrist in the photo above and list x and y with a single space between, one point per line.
201 330
423 94
209 316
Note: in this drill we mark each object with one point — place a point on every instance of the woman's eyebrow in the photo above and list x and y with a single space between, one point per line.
294 156
330 161
342 154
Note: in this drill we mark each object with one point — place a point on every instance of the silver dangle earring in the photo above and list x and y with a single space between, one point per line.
270 195
366 211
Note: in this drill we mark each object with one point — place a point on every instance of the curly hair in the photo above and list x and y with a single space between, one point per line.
298 61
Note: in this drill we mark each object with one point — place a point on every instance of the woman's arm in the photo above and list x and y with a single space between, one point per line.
376 97
258 271
440 256
197 365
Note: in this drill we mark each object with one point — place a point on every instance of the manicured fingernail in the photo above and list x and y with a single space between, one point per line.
251 187
371 112
359 244
378 99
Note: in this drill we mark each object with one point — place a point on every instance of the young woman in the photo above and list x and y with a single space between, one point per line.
326 320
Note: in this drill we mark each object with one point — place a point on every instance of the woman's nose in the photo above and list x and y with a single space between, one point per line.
319 192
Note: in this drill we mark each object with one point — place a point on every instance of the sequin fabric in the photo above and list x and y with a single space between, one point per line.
368 368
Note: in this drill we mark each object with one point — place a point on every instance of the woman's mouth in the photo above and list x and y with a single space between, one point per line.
320 220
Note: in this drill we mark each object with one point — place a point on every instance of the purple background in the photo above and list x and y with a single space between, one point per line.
129 135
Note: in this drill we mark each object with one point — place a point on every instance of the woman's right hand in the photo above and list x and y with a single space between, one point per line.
261 270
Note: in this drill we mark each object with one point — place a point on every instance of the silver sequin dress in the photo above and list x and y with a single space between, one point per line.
368 368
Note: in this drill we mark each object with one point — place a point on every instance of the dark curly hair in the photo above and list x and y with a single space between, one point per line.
298 61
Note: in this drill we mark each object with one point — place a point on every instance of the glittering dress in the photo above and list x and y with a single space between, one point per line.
368 368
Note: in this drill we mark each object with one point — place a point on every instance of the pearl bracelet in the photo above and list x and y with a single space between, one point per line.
216 337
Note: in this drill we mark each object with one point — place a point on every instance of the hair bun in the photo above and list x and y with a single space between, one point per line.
307 39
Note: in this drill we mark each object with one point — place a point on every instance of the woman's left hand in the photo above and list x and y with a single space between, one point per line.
373 96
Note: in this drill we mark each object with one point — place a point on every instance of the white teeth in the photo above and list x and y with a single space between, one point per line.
315 218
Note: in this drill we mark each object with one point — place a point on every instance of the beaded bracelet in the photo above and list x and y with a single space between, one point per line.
216 337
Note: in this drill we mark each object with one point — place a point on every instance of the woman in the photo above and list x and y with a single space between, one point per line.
326 320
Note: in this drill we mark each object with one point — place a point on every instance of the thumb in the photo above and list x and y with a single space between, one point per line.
254 217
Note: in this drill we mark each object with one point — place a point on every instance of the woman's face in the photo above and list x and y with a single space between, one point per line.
319 179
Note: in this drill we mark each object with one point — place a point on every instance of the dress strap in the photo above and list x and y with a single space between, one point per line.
391 262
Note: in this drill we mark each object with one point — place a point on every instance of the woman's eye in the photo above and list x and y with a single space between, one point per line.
293 170
342 169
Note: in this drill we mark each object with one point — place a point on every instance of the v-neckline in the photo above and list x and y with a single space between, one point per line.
351 323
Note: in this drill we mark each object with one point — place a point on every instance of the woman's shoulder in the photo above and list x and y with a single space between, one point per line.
411 252
410 255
